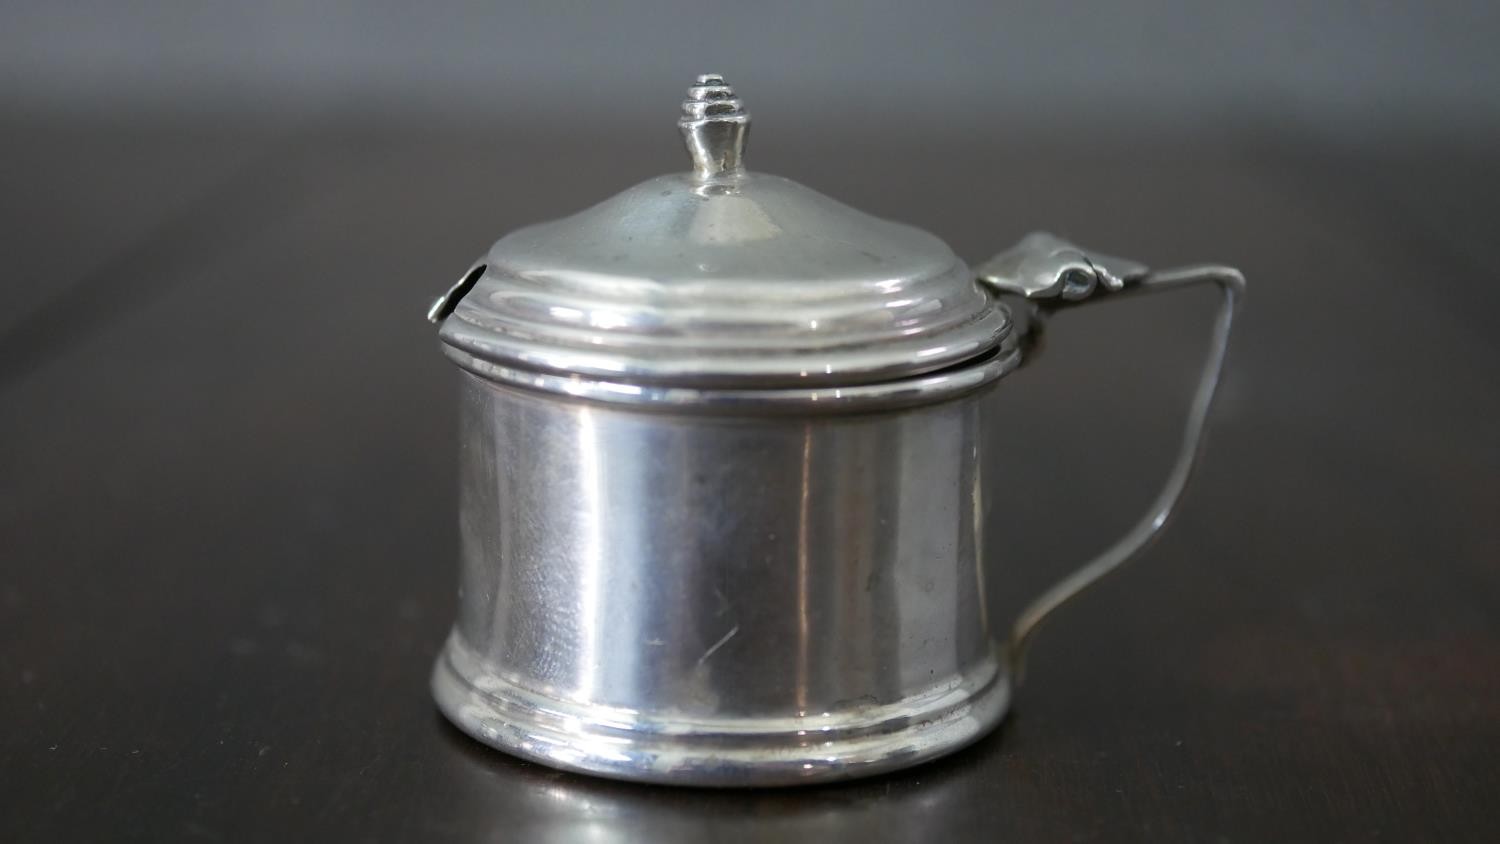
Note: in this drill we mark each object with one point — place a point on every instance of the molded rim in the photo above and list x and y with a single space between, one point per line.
933 387
721 752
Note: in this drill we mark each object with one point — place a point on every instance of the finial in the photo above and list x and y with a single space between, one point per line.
714 124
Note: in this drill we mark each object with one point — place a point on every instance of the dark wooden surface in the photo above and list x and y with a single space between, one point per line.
227 501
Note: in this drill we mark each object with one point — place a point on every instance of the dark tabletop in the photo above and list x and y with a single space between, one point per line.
227 488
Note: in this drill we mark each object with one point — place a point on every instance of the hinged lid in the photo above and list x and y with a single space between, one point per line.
723 277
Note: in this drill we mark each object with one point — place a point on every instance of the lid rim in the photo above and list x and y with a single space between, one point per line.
848 364
943 385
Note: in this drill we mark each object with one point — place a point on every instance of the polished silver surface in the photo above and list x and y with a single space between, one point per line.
860 398
1045 267
721 277
721 477
720 600
714 126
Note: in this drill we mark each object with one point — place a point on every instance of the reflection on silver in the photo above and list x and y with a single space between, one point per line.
721 277
714 125
727 599
1048 268
721 478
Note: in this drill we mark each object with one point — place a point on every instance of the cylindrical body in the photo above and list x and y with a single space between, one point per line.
720 598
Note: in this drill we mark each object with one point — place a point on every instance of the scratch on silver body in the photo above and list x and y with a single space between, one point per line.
714 648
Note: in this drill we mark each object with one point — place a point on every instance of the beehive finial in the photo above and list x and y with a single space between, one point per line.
714 126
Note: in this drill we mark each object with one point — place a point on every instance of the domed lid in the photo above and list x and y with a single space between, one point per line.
721 277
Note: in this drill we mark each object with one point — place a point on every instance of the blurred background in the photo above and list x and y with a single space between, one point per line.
1141 66
227 457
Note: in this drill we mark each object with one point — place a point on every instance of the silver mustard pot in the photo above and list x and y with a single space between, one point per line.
721 477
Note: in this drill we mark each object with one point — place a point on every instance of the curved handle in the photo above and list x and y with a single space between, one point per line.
1054 274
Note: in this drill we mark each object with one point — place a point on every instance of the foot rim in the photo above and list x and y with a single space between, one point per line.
724 752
